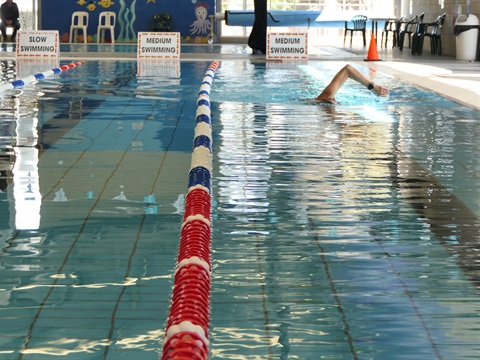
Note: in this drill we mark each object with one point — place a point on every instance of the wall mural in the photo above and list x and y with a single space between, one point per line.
92 6
202 25
126 19
191 18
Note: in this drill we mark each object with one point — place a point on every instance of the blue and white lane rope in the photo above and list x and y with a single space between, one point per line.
32 78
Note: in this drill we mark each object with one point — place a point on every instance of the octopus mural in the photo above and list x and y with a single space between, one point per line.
201 26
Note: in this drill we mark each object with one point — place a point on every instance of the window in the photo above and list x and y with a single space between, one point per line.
386 7
28 14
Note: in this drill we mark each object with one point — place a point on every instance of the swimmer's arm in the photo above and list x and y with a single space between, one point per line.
328 94
357 76
348 71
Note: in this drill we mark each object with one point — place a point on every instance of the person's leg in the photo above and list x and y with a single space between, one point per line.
16 27
3 29
258 37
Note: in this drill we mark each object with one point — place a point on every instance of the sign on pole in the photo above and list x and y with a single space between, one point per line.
287 46
38 44
158 45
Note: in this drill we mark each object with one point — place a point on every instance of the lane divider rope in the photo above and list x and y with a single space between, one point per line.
186 335
32 78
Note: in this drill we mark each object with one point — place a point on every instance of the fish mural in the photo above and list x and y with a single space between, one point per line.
91 6
105 3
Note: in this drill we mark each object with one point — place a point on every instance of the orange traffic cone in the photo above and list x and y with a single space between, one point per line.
372 50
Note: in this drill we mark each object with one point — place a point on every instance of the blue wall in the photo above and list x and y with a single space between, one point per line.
133 16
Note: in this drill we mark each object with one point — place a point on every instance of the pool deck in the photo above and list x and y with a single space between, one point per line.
458 80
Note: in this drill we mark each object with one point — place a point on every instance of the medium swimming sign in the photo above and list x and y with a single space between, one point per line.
287 46
158 45
38 44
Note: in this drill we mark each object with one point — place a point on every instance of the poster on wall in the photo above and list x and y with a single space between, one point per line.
40 44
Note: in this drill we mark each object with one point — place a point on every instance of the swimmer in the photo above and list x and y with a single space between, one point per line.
328 94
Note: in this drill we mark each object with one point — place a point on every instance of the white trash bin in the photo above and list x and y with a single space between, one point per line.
466 36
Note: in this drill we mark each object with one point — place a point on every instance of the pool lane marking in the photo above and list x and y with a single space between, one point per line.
74 243
113 316
331 282
32 78
66 257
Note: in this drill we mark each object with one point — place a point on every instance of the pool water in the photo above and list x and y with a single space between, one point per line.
346 232
350 232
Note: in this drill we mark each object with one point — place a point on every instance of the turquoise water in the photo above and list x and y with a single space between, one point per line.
347 232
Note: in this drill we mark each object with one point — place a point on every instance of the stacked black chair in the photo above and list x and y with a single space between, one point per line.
432 30
356 23
408 29
392 26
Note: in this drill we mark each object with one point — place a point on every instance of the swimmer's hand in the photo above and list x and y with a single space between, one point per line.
327 101
379 90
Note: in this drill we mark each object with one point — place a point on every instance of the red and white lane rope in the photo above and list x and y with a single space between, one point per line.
32 78
186 335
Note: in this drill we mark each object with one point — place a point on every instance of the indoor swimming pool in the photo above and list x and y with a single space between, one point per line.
339 232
